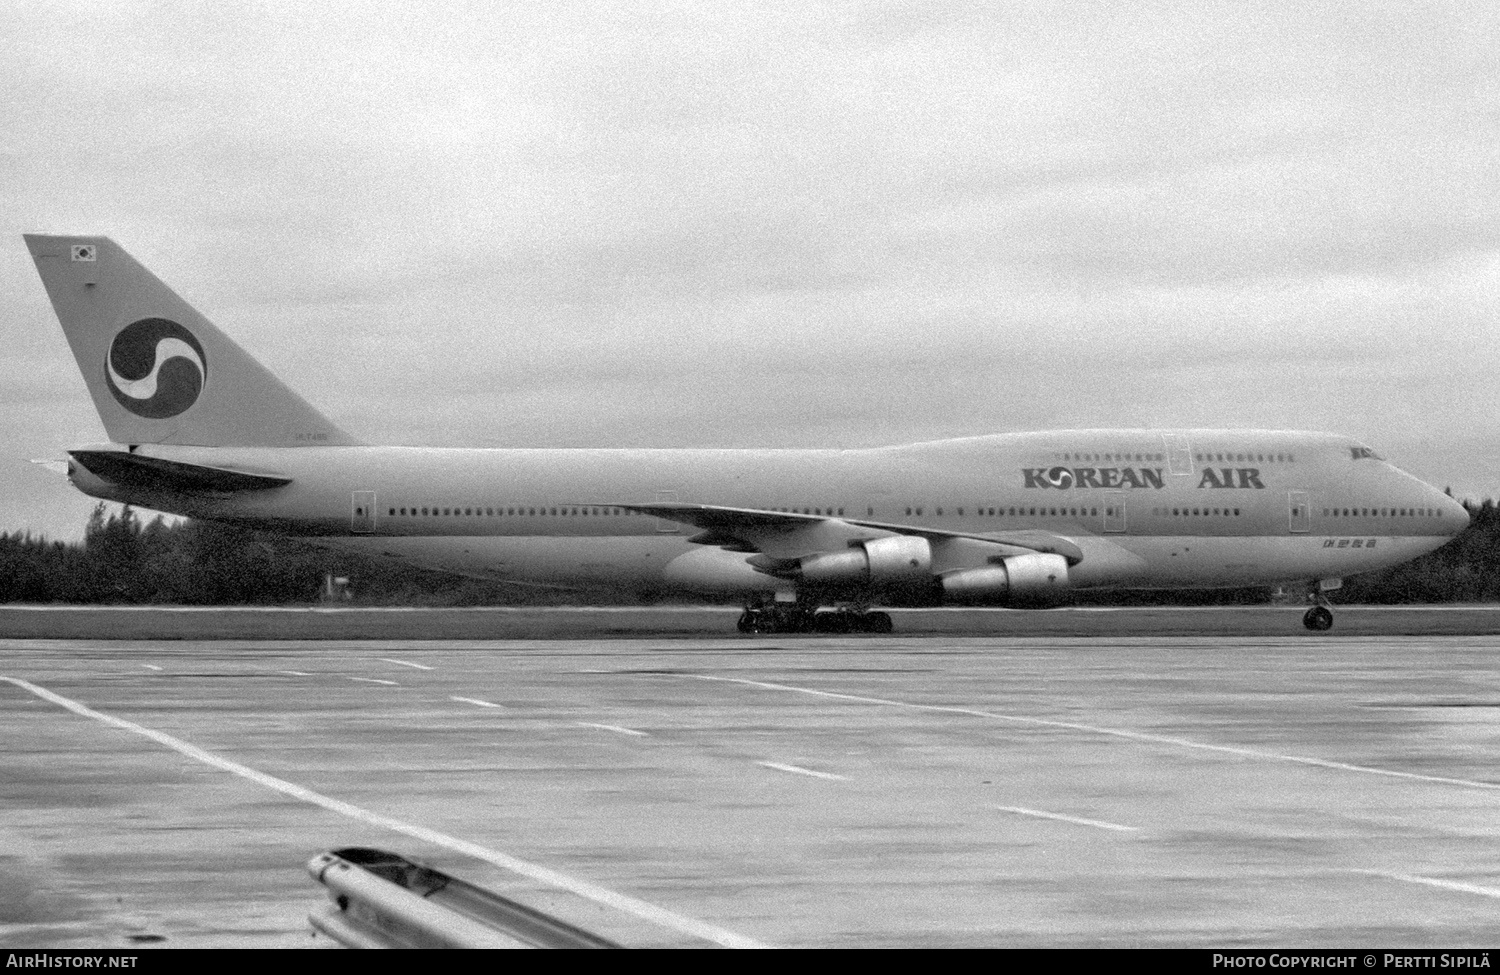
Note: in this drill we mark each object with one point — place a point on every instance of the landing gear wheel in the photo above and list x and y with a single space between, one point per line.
1318 619
795 619
802 618
773 618
831 622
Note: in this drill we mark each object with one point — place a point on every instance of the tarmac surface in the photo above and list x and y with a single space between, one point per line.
940 791
573 623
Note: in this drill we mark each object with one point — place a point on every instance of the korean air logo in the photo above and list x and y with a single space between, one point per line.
156 368
1059 477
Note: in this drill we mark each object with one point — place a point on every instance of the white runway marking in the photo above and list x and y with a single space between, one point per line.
1078 820
295 673
404 663
1141 736
151 666
376 680
478 702
1454 885
803 771
601 895
612 727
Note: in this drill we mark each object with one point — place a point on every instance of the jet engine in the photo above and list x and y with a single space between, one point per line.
895 561
1022 580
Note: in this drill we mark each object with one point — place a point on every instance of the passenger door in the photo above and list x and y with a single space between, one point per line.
362 512
1299 512
1179 453
1114 511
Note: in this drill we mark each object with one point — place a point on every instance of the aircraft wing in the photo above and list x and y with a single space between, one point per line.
783 535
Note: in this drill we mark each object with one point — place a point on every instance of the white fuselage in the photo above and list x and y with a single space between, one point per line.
1144 508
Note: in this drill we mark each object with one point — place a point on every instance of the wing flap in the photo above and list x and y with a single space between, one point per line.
776 534
784 535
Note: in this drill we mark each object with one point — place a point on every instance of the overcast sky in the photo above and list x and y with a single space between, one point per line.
779 224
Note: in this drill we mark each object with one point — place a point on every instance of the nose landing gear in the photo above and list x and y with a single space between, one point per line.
1318 619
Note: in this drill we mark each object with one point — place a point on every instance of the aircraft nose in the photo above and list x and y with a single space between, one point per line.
1452 516
1455 516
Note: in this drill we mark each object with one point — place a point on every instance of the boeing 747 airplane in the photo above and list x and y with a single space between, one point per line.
807 539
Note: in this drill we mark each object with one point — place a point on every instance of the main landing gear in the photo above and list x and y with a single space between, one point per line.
773 617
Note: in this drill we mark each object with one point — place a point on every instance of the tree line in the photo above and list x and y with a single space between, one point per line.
122 560
183 562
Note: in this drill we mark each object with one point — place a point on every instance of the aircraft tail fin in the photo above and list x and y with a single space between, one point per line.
158 371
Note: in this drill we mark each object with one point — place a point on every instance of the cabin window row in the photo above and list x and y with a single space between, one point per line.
1380 512
1114 458
1202 457
1244 458
508 512
1196 512
1013 512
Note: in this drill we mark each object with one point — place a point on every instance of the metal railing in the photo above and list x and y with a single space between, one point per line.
383 900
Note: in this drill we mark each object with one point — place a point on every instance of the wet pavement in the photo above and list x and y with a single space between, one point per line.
1211 791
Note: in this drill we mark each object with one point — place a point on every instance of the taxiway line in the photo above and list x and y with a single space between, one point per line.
799 770
477 702
1454 885
1076 820
1141 736
600 895
403 663
612 727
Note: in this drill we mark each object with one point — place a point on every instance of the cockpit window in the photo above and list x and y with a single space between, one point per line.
1364 453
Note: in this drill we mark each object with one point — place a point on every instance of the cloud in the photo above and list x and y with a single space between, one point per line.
783 223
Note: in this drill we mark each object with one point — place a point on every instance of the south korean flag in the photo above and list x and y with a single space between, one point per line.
83 252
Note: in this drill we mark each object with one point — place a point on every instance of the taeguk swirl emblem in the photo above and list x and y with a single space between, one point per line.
156 368
1060 477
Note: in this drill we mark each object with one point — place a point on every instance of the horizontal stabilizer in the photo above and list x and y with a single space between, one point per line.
136 470
52 464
